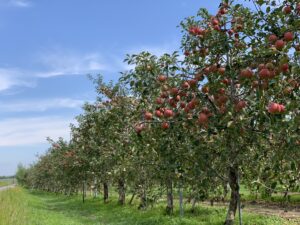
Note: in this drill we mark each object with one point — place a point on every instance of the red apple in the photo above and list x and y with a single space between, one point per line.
162 78
285 67
193 82
174 91
148 116
264 74
279 44
158 113
165 125
222 11
168 113
272 38
182 105
240 105
273 108
246 73
287 9
203 118
215 22
288 36
159 101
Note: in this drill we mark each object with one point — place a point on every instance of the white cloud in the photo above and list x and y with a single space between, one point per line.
40 105
57 63
30 131
63 63
20 3
13 77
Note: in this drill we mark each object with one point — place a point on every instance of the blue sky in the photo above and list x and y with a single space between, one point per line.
48 47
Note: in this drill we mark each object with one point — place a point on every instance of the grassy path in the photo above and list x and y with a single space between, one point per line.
22 207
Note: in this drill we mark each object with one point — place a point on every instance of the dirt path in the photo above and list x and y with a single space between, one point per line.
7 187
289 213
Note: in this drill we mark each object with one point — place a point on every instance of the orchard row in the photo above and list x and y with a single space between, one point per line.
226 110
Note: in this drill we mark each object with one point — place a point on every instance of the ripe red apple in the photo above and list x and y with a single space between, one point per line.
279 44
215 21
273 108
165 125
240 105
174 91
158 113
191 105
287 9
159 101
264 74
285 67
230 32
217 27
272 38
203 118
186 53
177 98
168 113
281 108
148 116
193 82
182 105
162 78
288 36
222 11
222 99
246 73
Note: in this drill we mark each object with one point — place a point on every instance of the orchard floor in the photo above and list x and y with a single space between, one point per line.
22 207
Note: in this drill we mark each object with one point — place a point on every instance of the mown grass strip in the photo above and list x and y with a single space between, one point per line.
23 207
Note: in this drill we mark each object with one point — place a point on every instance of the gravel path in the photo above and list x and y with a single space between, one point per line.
289 213
7 187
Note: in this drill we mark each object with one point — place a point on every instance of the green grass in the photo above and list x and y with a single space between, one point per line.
294 198
23 207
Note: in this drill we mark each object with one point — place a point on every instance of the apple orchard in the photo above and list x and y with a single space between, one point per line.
226 111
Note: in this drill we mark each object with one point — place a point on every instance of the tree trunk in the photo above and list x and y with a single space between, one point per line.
143 199
194 201
83 191
105 192
170 206
234 199
131 199
181 201
121 185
